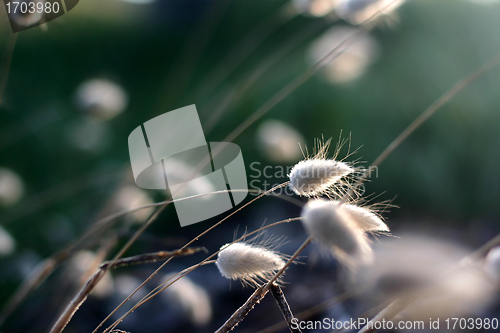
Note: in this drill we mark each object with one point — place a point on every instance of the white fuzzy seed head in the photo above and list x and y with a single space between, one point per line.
359 11
11 187
351 60
27 18
79 269
429 269
333 227
313 177
315 8
7 243
318 175
127 197
192 299
492 264
252 264
101 98
365 219
278 140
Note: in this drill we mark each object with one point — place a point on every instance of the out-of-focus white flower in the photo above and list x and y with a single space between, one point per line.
359 11
82 266
354 58
462 292
26 19
7 243
410 263
279 142
428 269
492 264
129 197
126 285
101 98
88 134
192 298
11 187
179 172
315 8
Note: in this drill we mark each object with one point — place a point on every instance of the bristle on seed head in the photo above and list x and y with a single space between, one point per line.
252 264
335 228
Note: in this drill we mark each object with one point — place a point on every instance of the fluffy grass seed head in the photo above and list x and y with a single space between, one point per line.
315 8
7 243
251 264
11 187
463 292
81 267
431 270
359 11
127 197
28 18
318 175
192 299
352 61
365 218
101 98
492 264
277 141
332 225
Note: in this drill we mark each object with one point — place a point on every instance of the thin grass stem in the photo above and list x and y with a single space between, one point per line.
263 68
279 296
242 50
157 290
257 296
75 304
244 310
8 53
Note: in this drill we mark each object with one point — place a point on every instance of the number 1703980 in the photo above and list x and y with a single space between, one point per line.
32 7
472 323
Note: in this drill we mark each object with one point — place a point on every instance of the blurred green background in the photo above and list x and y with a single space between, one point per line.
166 54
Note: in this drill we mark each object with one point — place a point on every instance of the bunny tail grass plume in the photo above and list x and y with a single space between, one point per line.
335 228
427 269
7 243
352 60
314 8
252 264
359 11
11 187
365 218
27 18
318 175
191 298
277 141
492 264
